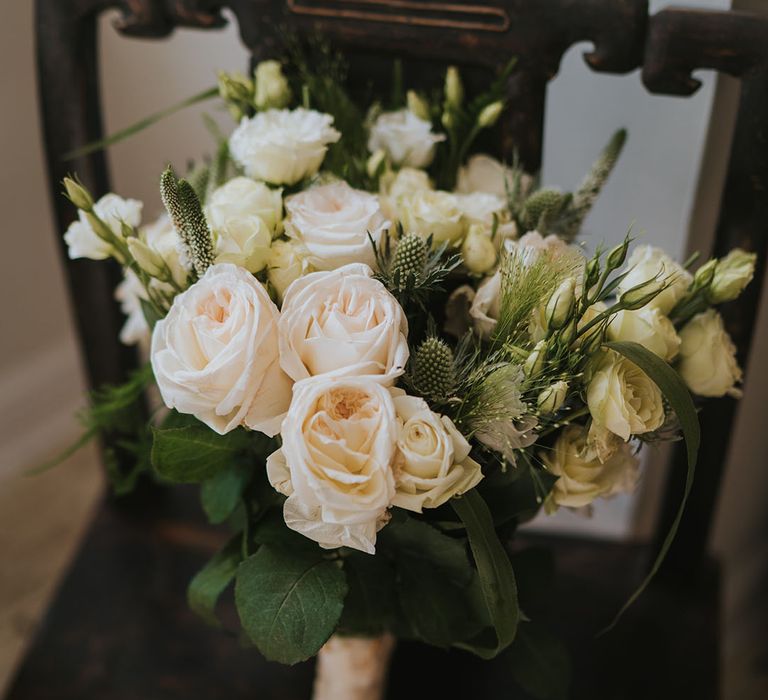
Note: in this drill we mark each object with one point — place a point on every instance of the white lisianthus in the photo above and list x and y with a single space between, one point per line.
647 263
432 212
342 323
482 173
129 293
406 139
432 463
83 242
282 146
332 224
708 356
583 477
622 398
648 327
161 237
215 355
285 265
335 463
480 208
271 86
243 198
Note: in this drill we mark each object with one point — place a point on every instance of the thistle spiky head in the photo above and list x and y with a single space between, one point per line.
434 373
409 259
542 204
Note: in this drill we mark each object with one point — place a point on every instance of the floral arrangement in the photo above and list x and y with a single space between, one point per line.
382 351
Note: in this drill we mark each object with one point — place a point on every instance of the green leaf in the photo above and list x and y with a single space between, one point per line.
370 602
517 494
672 386
289 602
221 493
151 315
497 579
194 453
209 583
539 663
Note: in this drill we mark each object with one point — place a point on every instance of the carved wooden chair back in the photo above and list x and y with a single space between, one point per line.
477 36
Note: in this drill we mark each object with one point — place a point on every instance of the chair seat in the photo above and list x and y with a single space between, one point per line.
119 627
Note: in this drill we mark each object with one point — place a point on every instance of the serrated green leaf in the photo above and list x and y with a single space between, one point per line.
675 391
221 493
289 602
539 663
210 582
497 579
194 453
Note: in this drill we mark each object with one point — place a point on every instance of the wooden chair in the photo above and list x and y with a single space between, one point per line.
119 627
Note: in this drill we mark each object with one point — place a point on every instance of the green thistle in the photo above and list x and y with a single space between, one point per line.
434 374
409 260
542 206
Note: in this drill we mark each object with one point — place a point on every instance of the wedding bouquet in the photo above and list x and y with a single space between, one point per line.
382 352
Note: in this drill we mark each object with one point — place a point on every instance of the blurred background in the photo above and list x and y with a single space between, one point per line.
666 187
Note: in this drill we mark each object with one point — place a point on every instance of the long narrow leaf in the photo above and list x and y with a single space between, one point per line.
672 386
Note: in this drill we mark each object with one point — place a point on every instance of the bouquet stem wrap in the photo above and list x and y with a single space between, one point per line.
353 668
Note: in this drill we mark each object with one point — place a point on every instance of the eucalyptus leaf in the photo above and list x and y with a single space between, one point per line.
675 391
497 578
221 493
210 582
289 602
194 453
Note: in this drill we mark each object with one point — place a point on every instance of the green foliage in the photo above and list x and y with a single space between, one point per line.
371 604
194 453
289 601
497 580
539 663
220 494
210 582
676 393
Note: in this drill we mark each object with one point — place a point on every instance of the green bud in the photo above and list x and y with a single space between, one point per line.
447 120
543 203
490 114
552 398
617 256
78 195
271 86
568 333
535 362
705 274
146 258
641 295
560 305
237 91
454 89
732 274
417 104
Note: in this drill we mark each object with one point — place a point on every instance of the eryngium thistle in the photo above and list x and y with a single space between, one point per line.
409 260
544 203
434 374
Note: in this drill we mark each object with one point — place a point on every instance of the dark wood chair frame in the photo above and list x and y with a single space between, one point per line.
668 46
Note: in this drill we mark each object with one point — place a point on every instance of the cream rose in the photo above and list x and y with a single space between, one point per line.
343 323
282 146
241 199
432 462
647 263
482 173
622 398
335 464
708 356
83 242
394 186
405 138
432 212
285 265
332 223
648 327
215 355
582 476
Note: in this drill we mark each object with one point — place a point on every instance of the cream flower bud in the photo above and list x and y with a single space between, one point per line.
478 251
560 304
417 104
272 90
285 264
146 258
708 356
535 361
732 274
490 115
374 162
78 195
454 89
551 399
641 295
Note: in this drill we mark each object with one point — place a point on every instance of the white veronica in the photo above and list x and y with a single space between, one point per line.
84 242
332 223
282 146
343 323
405 138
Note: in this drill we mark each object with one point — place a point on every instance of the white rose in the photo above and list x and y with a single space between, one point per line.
333 223
480 208
648 327
394 186
583 477
343 323
622 398
282 146
432 212
647 263
339 438
285 265
215 355
243 198
84 242
482 173
432 463
406 139
244 242
708 356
